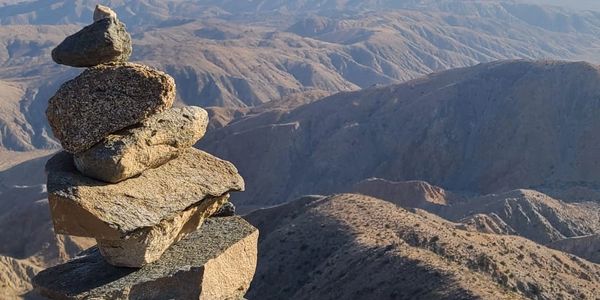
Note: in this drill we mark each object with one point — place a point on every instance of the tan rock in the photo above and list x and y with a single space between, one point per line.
156 141
147 245
103 12
105 99
82 206
215 262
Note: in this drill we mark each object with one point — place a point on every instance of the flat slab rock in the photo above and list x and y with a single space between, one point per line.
154 142
106 99
216 262
104 41
148 244
82 206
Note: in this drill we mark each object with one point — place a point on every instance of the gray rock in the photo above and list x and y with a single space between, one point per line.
226 210
156 141
103 12
82 206
148 244
105 99
216 262
104 41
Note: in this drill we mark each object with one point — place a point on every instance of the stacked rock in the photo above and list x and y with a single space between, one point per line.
130 179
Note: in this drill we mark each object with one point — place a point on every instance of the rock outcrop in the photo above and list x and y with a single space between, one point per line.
217 262
156 141
130 179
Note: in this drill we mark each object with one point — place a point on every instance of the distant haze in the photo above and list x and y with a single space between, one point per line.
574 4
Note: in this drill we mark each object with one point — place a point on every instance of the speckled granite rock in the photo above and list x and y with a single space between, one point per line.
156 141
215 262
103 12
148 244
104 41
82 206
105 99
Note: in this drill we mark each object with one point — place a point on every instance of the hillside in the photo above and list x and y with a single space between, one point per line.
28 241
489 128
312 247
15 277
587 246
532 214
226 54
408 194
569 227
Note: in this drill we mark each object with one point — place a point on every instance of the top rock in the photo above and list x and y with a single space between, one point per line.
105 41
103 12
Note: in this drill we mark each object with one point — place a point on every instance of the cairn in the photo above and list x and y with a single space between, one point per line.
130 179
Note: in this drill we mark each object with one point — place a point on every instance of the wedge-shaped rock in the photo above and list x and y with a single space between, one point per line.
103 12
147 245
104 41
105 99
82 206
215 262
156 141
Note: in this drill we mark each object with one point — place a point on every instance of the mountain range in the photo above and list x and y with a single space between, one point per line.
453 141
341 142
229 55
489 128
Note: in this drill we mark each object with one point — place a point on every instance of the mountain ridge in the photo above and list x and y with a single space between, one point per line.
464 130
221 58
311 246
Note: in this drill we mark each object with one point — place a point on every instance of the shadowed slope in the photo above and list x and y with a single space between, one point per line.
357 247
488 128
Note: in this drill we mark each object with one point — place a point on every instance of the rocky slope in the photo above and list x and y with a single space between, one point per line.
310 247
27 81
571 227
488 128
408 194
587 246
531 214
15 277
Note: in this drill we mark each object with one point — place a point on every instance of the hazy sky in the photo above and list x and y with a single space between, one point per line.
574 4
579 4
